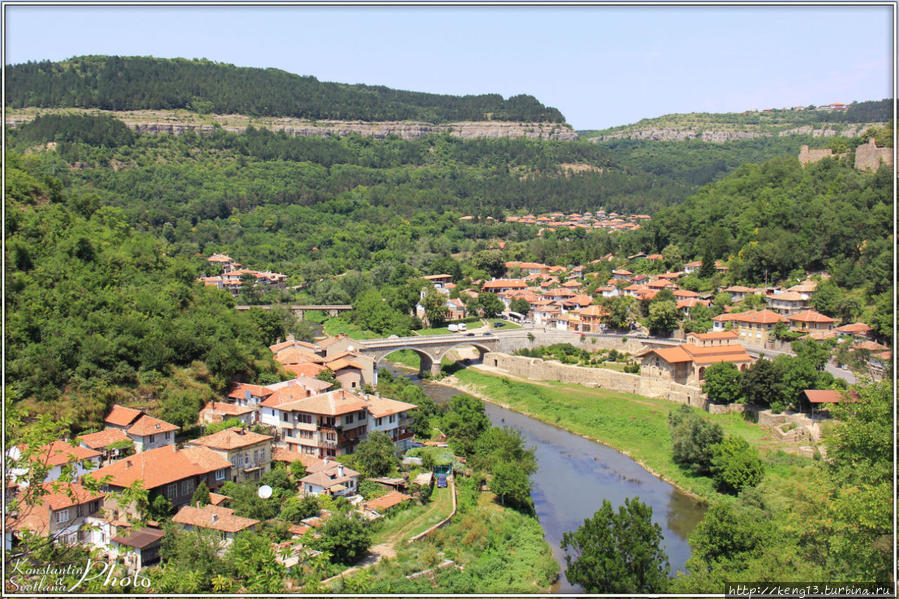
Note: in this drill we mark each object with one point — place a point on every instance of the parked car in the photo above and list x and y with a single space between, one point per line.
499 324
441 480
463 327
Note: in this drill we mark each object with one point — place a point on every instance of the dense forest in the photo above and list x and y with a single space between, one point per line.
131 83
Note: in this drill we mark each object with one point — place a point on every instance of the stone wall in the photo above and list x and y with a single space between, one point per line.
537 369
869 157
804 428
814 155
510 343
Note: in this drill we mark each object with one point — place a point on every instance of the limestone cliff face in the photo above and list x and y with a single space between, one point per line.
670 134
177 124
402 129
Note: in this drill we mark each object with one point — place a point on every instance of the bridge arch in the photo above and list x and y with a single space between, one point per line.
482 349
427 364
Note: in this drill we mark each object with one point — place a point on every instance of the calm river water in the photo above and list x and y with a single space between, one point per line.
574 475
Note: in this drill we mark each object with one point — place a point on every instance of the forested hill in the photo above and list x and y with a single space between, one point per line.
718 127
134 83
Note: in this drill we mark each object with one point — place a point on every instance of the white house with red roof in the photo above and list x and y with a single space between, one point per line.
54 457
62 513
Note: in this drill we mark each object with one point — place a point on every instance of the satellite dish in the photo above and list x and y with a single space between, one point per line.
264 492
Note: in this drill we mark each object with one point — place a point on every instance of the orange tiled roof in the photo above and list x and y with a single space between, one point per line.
161 466
310 370
859 328
383 406
716 335
231 438
214 517
240 389
122 416
753 317
387 501
61 452
147 425
57 496
332 403
228 409
810 316
103 438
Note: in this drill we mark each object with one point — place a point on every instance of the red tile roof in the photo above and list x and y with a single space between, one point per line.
810 316
214 517
122 416
228 409
231 438
61 452
385 502
829 396
160 466
104 438
240 389
147 425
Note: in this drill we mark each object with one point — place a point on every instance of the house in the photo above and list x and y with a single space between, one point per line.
712 339
112 443
250 453
333 423
250 396
439 281
590 319
686 363
683 306
755 327
787 302
347 372
151 433
811 322
62 513
858 330
168 471
136 549
691 267
217 411
498 285
53 457
619 274
214 517
738 293
145 431
330 478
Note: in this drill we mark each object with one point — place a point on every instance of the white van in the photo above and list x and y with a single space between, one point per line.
462 327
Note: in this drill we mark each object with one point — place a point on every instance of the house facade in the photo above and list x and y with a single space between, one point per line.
249 453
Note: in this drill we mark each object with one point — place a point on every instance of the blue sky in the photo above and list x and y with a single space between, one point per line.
600 65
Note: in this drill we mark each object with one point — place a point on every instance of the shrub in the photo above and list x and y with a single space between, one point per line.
736 465
693 439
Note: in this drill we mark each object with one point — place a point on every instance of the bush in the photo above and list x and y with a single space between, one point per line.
736 465
693 439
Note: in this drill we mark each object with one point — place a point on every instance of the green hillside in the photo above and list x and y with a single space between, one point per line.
133 83
770 121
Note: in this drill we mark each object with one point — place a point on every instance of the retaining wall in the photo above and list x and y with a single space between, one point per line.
538 369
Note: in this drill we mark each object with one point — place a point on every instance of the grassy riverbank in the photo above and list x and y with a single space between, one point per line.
632 424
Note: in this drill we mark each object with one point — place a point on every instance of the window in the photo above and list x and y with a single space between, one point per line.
391 418
62 516
187 487
171 491
331 436
220 474
284 416
168 435
305 434
378 421
348 419
150 438
79 511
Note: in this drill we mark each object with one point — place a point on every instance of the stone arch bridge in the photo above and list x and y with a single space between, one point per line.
431 348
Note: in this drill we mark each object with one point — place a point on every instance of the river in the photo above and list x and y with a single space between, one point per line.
574 475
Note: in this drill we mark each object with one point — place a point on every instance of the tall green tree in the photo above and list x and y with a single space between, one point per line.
617 552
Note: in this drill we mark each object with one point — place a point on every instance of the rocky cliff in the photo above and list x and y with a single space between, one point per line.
177 122
712 135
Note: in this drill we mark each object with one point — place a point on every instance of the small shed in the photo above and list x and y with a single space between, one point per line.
818 401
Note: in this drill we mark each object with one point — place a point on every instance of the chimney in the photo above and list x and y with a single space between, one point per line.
340 470
215 518
326 460
128 464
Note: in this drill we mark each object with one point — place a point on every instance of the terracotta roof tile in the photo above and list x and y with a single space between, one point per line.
231 438
61 452
387 501
122 416
104 438
147 425
213 517
160 466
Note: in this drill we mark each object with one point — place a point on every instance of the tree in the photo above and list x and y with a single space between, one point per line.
345 538
296 509
762 382
619 316
464 422
434 304
490 261
201 495
662 317
297 470
693 439
617 553
520 305
736 465
511 481
376 455
252 558
490 304
723 383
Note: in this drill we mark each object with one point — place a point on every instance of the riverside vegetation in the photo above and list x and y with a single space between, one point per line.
106 230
